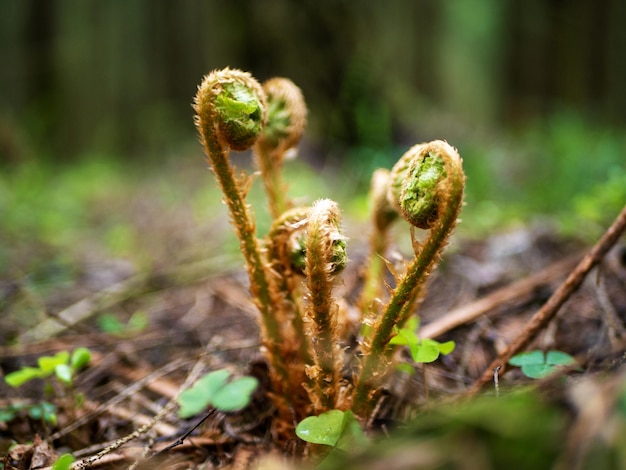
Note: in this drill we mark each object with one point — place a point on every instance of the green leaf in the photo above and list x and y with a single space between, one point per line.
447 347
64 462
80 358
7 414
405 368
334 428
536 364
48 364
426 351
412 324
422 350
110 324
138 321
538 371
196 398
235 395
63 372
44 410
530 357
20 377
323 429
559 358
405 337
352 434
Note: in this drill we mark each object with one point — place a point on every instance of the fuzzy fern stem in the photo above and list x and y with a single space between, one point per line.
383 215
427 188
325 256
285 124
286 253
230 114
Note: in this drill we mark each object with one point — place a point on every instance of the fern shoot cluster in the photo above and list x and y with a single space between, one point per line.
293 269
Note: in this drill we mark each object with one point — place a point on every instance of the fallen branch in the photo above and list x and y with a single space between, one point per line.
551 307
515 292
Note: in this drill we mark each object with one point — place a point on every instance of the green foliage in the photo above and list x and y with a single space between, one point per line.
420 199
214 389
50 211
323 429
422 350
299 317
61 197
61 365
38 411
514 431
333 428
537 364
563 166
240 114
64 462
111 324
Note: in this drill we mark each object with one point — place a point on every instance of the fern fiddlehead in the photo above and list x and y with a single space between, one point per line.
427 189
231 112
287 115
325 257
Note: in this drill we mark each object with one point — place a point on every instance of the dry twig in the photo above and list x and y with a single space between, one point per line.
551 307
515 292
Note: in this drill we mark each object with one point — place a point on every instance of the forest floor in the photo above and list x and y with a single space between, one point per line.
198 318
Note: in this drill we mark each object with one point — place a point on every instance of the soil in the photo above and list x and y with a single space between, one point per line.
200 319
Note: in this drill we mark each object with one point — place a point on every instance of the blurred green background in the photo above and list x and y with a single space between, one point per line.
95 103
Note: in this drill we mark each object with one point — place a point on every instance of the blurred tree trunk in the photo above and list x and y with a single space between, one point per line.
118 76
565 54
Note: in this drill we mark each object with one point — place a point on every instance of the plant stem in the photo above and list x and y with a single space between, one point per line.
230 113
259 283
377 354
383 215
322 235
269 162
373 276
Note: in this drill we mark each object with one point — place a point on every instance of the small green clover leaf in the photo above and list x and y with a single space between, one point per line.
64 462
11 411
63 372
38 411
196 398
80 358
7 414
109 323
236 394
422 350
20 377
213 389
333 428
323 429
352 434
48 364
44 410
536 364
61 365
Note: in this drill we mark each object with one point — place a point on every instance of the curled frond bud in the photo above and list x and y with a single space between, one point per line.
383 212
326 245
231 109
287 238
286 115
325 256
421 180
427 188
